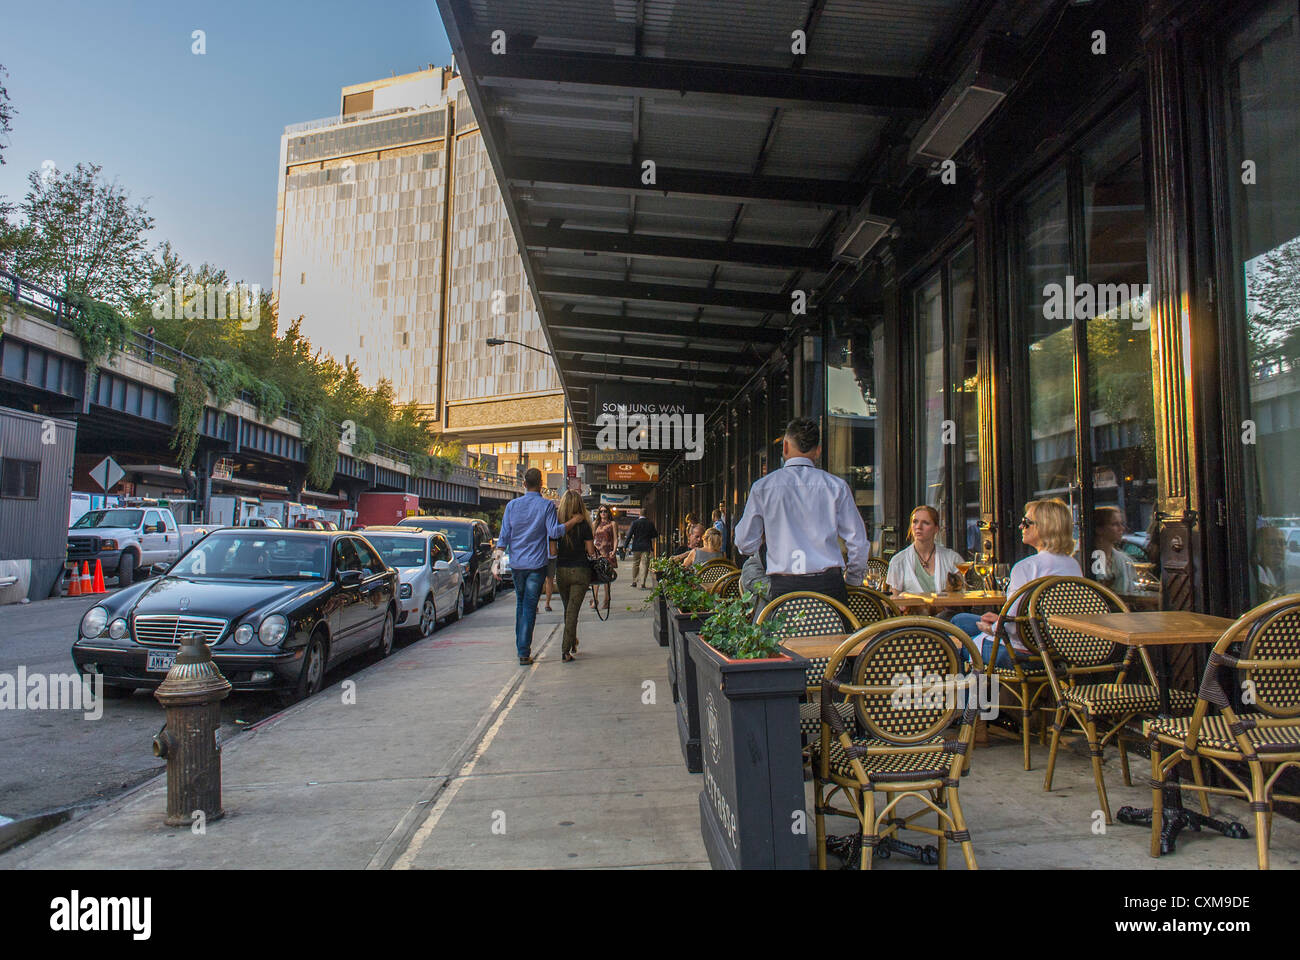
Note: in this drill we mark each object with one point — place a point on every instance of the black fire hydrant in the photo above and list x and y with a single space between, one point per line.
192 695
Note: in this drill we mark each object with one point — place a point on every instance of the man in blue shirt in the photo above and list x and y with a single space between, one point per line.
527 526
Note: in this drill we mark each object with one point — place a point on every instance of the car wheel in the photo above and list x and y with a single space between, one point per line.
313 672
126 570
386 637
460 607
428 617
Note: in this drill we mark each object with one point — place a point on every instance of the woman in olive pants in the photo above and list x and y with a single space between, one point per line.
572 567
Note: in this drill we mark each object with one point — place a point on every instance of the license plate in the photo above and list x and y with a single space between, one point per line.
160 661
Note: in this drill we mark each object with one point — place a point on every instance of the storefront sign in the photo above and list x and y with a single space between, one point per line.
619 500
633 473
607 456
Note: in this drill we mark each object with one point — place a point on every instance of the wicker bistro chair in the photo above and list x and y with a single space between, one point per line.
715 570
869 606
1025 681
727 586
811 614
877 570
1087 677
1267 740
902 752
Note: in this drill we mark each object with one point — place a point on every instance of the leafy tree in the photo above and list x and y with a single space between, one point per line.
6 113
1274 289
82 234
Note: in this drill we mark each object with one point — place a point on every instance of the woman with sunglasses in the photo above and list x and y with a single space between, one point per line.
1047 526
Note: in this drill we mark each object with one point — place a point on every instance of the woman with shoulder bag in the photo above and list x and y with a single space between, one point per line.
605 539
573 566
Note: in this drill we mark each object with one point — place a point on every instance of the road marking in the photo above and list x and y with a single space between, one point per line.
462 760
405 861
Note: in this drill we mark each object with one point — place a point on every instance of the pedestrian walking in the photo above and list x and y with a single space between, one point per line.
573 566
641 537
606 537
526 528
803 512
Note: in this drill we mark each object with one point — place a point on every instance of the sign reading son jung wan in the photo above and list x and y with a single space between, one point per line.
634 418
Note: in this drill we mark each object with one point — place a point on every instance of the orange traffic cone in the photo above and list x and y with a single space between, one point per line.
74 582
97 585
85 578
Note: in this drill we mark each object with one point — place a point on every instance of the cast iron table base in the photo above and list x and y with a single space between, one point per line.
849 849
1177 818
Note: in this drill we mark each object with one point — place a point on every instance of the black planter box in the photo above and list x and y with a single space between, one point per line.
753 768
660 621
683 672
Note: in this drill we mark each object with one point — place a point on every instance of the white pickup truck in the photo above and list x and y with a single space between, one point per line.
126 539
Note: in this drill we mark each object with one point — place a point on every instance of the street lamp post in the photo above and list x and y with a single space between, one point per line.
564 430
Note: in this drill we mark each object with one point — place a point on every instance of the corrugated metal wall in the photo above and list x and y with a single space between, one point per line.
37 530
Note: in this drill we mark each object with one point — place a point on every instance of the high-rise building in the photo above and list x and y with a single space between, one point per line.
394 247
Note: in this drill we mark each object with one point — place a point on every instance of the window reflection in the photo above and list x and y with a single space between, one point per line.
1264 122
855 375
1121 403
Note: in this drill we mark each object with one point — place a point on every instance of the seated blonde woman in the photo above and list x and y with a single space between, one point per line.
1047 526
711 549
922 567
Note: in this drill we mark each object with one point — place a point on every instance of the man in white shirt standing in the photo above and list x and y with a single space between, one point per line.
803 512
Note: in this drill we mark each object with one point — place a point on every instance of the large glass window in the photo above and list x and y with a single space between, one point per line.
946 399
1263 170
928 313
1122 497
856 373
1082 304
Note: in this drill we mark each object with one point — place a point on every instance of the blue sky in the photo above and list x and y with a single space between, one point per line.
197 137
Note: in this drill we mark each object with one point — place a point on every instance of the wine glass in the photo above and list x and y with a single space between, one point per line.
963 567
982 569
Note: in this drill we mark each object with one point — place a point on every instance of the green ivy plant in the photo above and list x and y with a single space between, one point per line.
364 445
98 327
680 586
268 399
191 398
320 437
733 633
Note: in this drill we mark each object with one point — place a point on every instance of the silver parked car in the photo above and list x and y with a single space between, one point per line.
431 587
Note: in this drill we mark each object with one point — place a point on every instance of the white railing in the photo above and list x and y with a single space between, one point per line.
334 121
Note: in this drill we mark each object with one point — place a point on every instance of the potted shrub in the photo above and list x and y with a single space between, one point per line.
752 813
687 605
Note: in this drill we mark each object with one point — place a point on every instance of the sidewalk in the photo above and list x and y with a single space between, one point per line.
452 756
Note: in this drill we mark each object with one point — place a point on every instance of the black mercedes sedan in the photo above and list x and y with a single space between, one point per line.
278 608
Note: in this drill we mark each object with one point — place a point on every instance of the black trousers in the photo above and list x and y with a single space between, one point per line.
829 582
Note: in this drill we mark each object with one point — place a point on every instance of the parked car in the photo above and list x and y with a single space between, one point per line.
125 539
432 582
471 542
314 523
278 608
501 568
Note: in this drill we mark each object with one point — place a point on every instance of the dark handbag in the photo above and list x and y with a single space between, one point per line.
602 571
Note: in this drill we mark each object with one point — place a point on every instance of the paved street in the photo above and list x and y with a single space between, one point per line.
52 759
452 756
